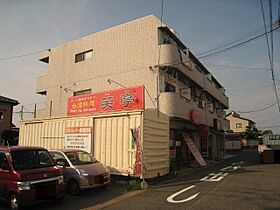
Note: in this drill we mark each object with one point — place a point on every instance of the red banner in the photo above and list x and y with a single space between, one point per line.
115 100
194 149
138 159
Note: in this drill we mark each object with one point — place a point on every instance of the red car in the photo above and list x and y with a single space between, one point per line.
27 175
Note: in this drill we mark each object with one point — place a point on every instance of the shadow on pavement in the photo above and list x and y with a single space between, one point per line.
87 198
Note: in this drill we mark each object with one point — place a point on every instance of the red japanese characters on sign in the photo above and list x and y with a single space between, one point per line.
115 100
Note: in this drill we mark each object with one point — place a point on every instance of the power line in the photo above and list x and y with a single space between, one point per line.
234 83
273 126
269 50
234 40
240 67
237 45
19 56
258 110
278 12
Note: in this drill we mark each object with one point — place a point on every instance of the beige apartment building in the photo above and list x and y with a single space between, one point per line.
237 128
237 123
179 96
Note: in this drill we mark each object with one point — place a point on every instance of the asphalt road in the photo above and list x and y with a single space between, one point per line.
238 183
87 198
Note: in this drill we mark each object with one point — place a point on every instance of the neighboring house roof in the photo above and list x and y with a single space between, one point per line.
8 100
234 114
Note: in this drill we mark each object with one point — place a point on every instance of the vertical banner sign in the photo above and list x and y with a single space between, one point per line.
194 149
138 159
78 138
110 101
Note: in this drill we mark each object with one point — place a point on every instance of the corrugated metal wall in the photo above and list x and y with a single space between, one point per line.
155 144
113 142
30 134
49 133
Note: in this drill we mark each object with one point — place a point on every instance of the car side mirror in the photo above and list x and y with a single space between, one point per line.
61 162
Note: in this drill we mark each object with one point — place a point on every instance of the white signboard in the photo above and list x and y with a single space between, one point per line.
78 138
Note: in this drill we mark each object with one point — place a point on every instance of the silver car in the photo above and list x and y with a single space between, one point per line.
80 170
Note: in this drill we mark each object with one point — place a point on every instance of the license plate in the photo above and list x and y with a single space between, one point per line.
96 180
45 190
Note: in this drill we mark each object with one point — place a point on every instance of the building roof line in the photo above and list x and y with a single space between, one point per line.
8 100
101 31
234 114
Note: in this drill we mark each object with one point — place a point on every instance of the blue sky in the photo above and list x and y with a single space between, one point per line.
34 25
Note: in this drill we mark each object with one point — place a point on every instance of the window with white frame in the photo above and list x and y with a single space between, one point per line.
83 56
238 125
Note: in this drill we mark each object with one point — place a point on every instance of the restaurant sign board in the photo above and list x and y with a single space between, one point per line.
114 100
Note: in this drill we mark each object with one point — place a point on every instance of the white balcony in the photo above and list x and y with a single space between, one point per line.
172 105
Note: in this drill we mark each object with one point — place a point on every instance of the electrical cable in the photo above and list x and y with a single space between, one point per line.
276 126
237 45
240 67
232 41
19 56
258 110
279 12
269 52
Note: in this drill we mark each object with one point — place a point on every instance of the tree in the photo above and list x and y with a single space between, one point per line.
251 133
10 137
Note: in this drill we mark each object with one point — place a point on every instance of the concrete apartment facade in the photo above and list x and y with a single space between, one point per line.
143 52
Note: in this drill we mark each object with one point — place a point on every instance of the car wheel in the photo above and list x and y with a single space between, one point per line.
13 202
73 187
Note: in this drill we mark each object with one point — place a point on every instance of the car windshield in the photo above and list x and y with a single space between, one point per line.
29 159
80 157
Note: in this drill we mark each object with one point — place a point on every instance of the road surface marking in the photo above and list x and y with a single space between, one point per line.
170 199
214 177
230 168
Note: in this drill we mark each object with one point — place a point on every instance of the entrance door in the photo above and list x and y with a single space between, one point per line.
204 148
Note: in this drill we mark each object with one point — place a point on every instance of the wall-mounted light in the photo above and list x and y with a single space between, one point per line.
110 81
68 89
